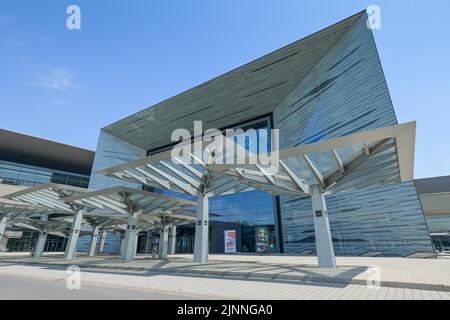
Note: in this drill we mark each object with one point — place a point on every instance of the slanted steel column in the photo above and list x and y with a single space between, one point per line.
149 242
71 247
163 243
3 240
130 238
2 227
122 245
101 246
324 242
42 239
93 243
172 240
201 244
40 244
136 243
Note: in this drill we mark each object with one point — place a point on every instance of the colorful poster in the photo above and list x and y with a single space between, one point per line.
230 241
262 239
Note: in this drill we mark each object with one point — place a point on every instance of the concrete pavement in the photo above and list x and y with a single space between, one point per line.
422 274
50 283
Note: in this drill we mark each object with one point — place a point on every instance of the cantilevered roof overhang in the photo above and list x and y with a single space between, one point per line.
248 92
379 156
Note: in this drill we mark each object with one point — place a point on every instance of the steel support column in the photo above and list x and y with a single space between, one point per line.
149 242
130 238
101 246
71 247
163 243
93 243
201 244
3 239
122 245
324 242
40 244
2 227
42 239
172 240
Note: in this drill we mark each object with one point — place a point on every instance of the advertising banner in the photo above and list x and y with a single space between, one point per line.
262 239
230 241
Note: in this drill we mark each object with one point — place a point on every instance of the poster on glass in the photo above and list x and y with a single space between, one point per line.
262 239
230 241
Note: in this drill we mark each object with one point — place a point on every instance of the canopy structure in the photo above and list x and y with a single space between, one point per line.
19 215
142 210
188 175
27 215
59 216
176 174
384 155
125 201
10 210
48 195
53 209
347 163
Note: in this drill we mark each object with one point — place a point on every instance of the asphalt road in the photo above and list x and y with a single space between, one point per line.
23 288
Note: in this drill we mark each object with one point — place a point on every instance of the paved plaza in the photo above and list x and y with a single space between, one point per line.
252 277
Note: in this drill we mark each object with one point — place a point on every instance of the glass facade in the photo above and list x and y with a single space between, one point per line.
251 214
28 240
17 174
71 180
441 243
25 175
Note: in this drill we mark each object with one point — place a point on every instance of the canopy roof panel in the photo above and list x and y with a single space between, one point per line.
48 195
10 209
164 219
125 201
51 207
186 176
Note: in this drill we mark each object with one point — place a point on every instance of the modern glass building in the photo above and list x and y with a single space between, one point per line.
30 161
434 194
327 85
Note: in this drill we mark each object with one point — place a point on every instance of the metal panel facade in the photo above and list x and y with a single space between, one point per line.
346 93
110 151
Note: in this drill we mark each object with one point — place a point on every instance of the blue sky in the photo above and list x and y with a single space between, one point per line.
65 85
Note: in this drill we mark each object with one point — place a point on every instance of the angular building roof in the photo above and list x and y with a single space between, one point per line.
433 185
250 91
24 149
